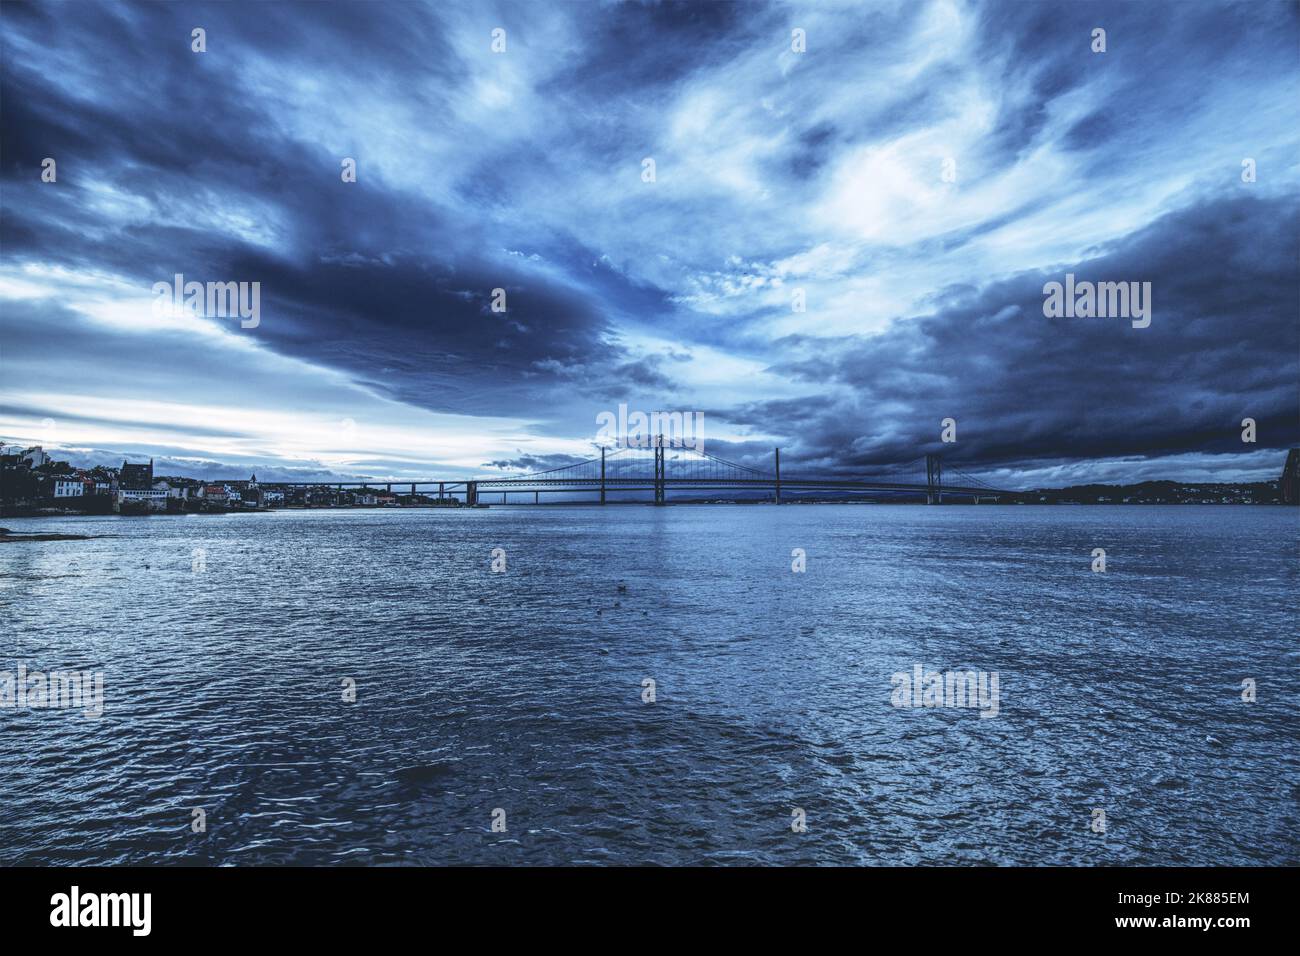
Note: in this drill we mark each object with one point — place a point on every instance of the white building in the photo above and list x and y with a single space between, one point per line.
173 491
36 456
69 487
154 498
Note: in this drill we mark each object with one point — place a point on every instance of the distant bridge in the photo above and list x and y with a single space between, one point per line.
662 468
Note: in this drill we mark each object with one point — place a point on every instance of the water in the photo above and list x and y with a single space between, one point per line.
523 690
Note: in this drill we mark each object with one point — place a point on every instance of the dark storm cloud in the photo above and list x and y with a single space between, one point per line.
533 463
358 283
635 45
1024 388
1160 59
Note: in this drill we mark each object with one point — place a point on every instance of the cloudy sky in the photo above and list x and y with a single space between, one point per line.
378 352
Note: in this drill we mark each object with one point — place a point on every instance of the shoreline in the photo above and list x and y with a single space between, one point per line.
61 515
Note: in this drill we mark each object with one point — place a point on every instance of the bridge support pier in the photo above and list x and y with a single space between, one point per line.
471 493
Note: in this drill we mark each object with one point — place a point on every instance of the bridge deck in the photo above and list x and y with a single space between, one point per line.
403 486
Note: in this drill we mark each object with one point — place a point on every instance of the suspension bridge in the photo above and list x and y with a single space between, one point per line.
663 468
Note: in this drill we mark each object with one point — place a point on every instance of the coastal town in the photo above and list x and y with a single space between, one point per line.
32 482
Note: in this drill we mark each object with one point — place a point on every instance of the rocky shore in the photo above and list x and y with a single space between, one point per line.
7 536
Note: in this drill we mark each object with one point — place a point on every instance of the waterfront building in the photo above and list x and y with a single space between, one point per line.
69 487
136 491
214 493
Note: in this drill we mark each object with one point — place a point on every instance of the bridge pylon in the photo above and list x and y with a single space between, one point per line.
659 470
778 476
934 479
1288 488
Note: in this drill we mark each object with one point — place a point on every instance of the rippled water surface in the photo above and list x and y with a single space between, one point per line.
523 690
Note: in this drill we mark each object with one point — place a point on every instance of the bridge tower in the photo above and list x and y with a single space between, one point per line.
778 476
1289 487
933 480
602 474
659 469
471 493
